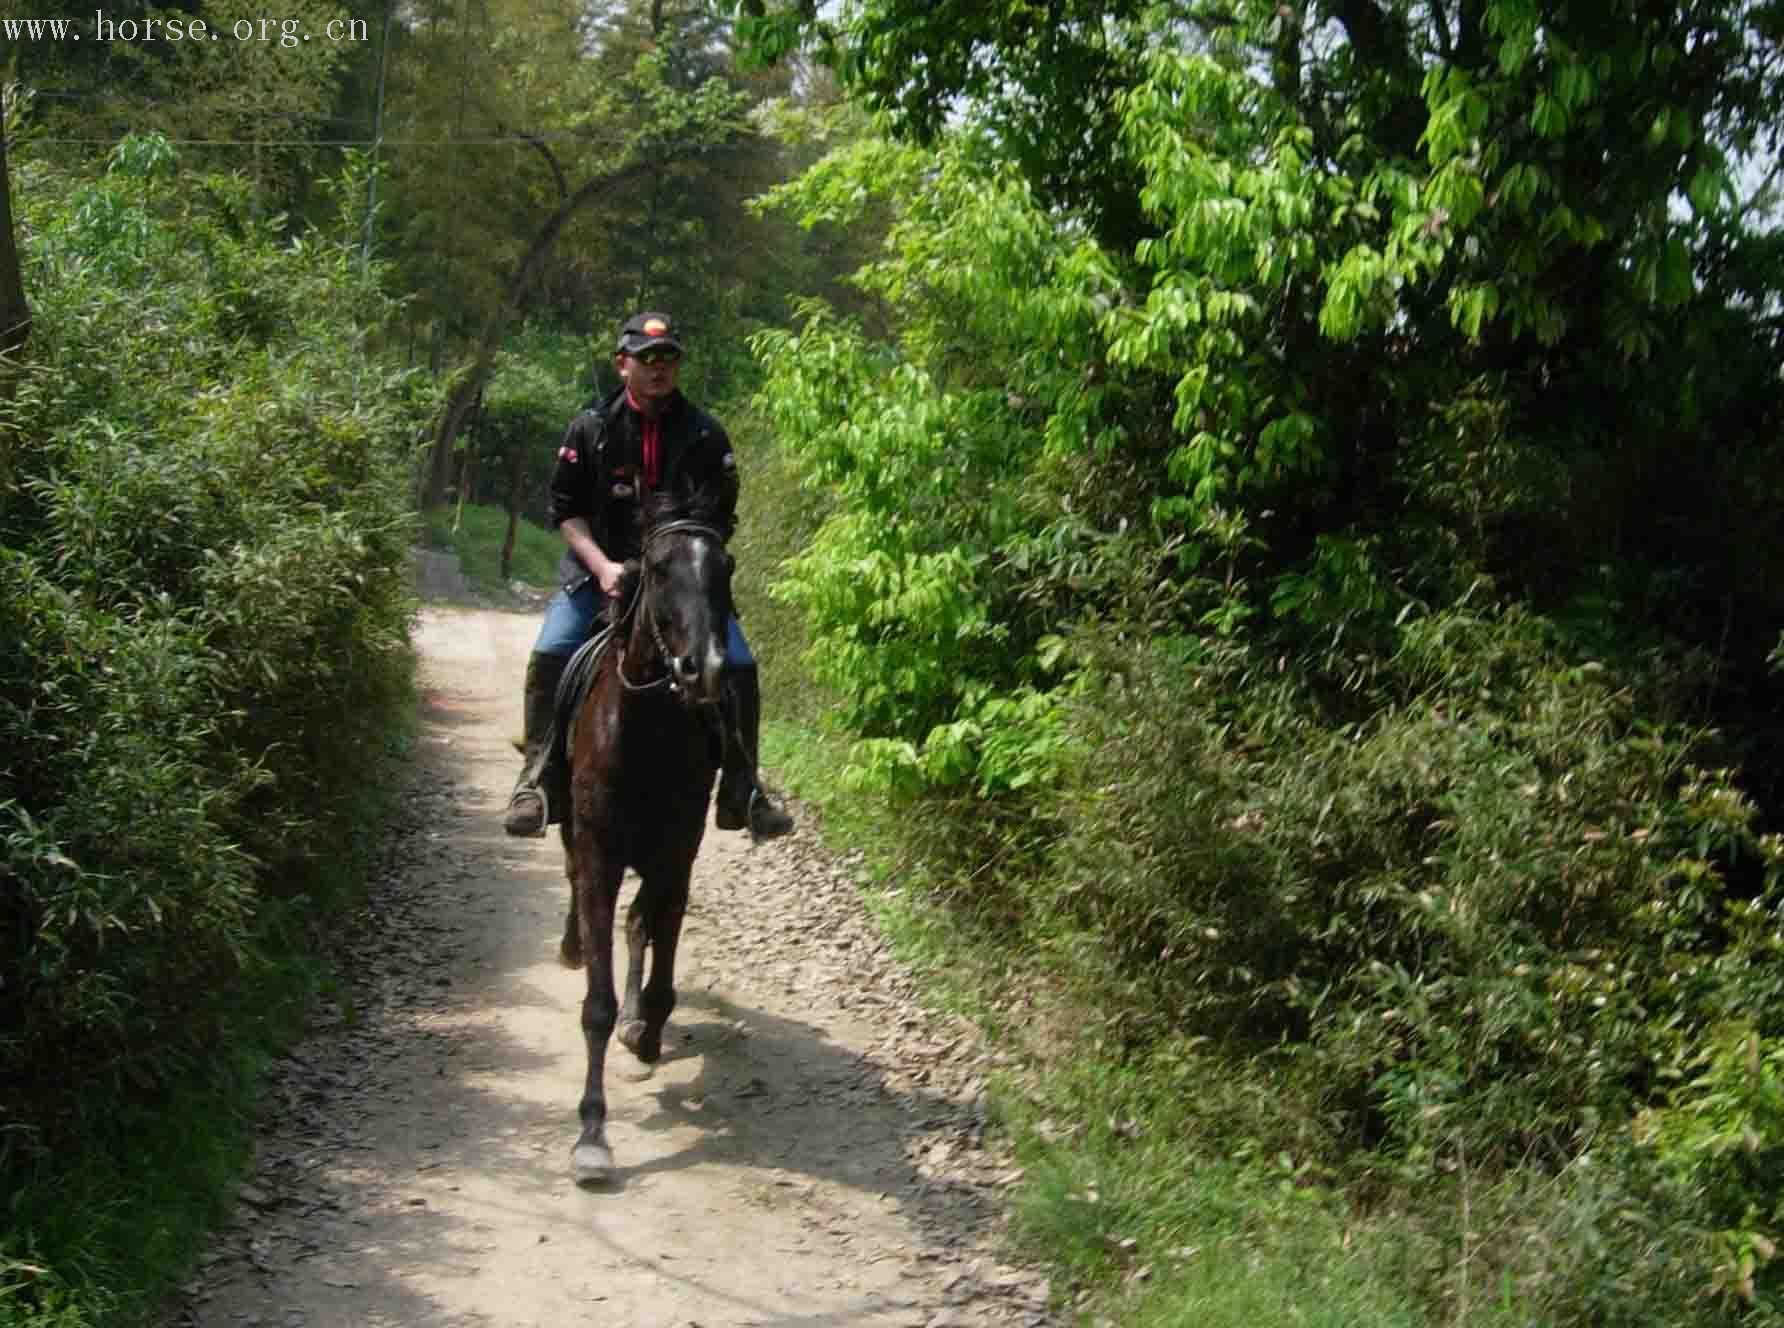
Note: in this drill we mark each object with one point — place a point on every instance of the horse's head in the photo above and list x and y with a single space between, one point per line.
685 595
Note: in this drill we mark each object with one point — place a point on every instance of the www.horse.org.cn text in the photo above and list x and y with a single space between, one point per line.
181 28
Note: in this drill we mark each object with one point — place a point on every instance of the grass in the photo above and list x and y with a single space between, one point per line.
1160 1238
477 541
107 1233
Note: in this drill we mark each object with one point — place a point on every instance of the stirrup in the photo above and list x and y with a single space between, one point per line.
775 821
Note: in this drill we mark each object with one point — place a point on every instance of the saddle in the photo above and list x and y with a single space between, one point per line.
573 686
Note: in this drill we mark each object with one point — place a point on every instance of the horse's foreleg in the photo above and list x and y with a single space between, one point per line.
597 889
631 1025
656 916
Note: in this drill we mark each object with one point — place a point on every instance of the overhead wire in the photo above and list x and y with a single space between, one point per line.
505 140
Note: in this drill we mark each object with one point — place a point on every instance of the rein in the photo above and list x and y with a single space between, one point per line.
679 527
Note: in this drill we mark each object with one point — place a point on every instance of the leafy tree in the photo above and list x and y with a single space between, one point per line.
682 238
677 125
1324 584
914 589
1403 275
1046 78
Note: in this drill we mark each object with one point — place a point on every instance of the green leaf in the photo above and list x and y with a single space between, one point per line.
1708 185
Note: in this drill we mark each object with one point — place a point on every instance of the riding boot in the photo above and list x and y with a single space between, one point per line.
742 803
527 810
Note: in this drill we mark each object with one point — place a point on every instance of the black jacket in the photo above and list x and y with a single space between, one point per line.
600 466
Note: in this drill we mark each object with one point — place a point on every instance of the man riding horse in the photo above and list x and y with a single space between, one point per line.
646 437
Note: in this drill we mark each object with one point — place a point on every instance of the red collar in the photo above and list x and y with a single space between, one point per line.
652 434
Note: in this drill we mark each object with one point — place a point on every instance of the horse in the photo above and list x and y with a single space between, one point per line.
643 747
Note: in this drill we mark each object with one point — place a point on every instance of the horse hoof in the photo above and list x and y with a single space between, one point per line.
636 1037
591 1164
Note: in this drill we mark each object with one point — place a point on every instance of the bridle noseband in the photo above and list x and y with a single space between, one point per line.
664 655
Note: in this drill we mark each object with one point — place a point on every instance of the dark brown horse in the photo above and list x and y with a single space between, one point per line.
643 748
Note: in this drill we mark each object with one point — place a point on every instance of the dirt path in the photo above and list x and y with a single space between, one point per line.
808 1153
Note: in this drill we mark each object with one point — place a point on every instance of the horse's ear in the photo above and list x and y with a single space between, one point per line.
661 505
708 501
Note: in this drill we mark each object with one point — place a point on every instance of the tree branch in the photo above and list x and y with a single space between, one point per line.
1440 21
1468 34
1378 37
544 150
1286 59
464 397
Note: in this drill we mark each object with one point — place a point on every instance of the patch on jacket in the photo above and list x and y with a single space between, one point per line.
569 454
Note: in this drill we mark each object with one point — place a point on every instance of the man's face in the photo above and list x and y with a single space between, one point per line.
650 375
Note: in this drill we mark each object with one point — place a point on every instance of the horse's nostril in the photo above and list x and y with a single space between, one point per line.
688 667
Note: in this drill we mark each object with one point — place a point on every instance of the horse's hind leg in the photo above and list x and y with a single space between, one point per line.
596 893
570 947
655 919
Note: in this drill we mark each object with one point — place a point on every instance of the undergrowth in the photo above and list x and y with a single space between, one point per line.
1445 991
102 1233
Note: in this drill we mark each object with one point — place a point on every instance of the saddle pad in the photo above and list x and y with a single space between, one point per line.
579 676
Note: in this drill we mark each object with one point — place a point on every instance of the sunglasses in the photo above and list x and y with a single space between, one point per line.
657 355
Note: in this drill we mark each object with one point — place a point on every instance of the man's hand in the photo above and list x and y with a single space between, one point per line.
608 574
581 540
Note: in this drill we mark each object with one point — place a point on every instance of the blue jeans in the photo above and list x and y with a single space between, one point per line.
572 619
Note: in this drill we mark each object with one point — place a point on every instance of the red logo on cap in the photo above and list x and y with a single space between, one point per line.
655 327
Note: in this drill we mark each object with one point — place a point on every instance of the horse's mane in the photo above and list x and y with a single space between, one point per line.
705 504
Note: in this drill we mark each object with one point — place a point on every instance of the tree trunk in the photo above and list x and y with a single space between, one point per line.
15 312
517 468
467 471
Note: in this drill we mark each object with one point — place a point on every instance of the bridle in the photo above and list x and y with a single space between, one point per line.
639 600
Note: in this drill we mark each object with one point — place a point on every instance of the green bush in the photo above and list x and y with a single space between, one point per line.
127 902
204 606
1292 674
1498 922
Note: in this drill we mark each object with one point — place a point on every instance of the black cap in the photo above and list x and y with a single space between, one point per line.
642 331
